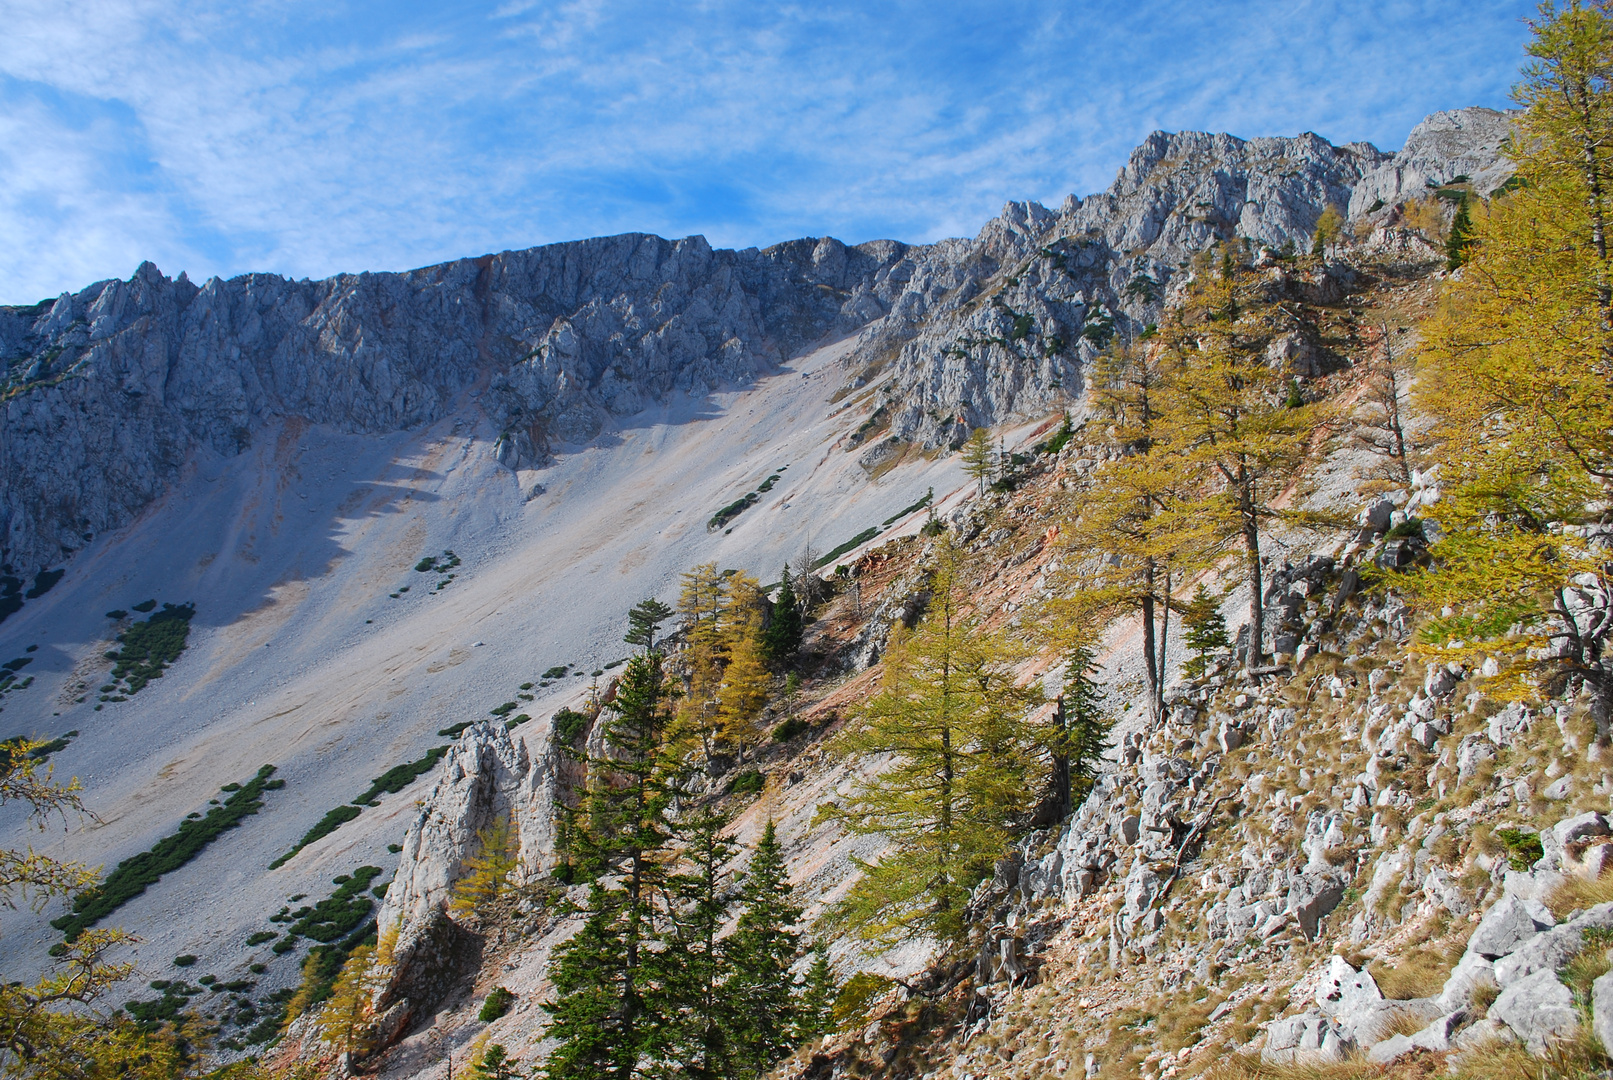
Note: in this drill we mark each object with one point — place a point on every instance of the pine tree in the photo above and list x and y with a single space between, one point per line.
963 766
1230 431
343 1022
760 953
1139 531
1328 227
692 1006
978 457
782 638
702 603
745 677
596 1010
814 1008
487 873
1206 630
643 620
1086 724
1383 429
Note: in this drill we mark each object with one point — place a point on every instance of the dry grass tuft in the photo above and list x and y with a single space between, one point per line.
1578 1058
1577 892
1420 973
1250 1067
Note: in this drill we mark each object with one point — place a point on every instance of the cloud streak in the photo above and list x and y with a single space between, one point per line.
311 139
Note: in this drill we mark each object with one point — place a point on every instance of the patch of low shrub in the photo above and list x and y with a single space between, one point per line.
790 729
399 777
1523 848
150 646
568 724
131 876
333 820
748 782
861 538
556 672
900 514
497 1004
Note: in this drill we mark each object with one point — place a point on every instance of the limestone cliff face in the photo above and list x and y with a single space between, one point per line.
1031 300
107 391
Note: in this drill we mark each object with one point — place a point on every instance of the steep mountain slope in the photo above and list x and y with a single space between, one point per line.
565 421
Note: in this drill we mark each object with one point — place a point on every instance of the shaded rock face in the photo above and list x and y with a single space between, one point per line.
108 391
487 778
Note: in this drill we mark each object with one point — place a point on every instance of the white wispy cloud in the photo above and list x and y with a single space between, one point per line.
313 138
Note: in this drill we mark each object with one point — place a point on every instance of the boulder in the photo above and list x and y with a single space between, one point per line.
1483 1033
1308 1038
1507 925
1550 950
1602 1008
1312 895
1580 827
1539 1009
1473 750
1470 975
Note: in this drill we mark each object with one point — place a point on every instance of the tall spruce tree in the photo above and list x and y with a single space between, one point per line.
814 1008
596 1013
601 975
781 640
1461 235
1206 630
693 1007
760 953
1086 722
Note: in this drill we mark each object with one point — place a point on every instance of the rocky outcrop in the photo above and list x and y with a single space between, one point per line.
487 779
1459 146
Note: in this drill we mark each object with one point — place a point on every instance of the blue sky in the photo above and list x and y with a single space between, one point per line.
314 138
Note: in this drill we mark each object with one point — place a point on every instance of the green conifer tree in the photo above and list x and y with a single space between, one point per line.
1086 723
692 1007
1461 235
814 1008
600 976
760 953
781 640
496 1064
595 1013
1206 630
643 620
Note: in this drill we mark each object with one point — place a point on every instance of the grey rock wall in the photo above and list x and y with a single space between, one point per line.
107 391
